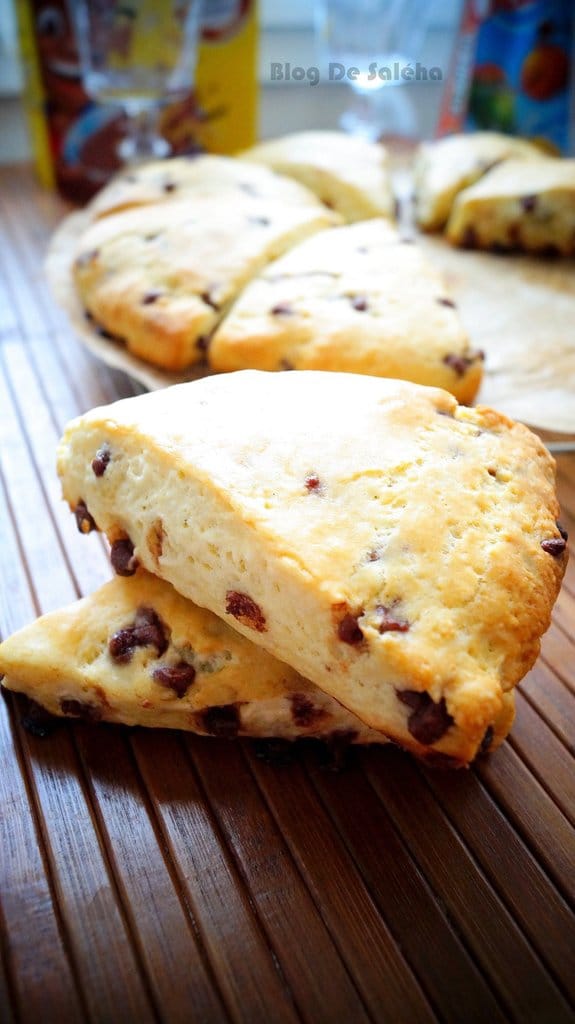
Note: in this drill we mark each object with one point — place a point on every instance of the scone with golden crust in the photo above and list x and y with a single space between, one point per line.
138 653
162 181
358 299
522 205
160 277
347 172
444 168
395 548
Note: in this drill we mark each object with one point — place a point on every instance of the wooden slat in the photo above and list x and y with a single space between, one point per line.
309 958
407 902
362 934
247 972
496 941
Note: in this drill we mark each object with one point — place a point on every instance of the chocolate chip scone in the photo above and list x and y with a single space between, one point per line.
138 653
359 299
162 181
521 205
443 168
347 172
399 550
160 277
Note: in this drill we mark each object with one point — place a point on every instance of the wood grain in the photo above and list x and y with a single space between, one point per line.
165 878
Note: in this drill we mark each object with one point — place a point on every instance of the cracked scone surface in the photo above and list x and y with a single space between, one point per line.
160 277
519 205
347 172
398 550
135 652
443 168
358 299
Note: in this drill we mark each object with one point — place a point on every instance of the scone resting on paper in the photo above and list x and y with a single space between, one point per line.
346 172
138 653
358 299
522 205
160 277
444 168
198 177
398 550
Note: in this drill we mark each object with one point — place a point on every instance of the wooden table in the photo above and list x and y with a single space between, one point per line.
162 877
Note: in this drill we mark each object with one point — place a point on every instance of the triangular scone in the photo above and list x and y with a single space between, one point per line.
522 205
160 277
347 172
444 168
359 299
398 550
190 178
137 653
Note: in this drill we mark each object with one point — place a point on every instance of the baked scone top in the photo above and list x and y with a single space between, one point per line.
348 172
388 538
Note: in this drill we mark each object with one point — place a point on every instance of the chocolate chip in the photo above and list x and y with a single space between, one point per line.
170 186
175 677
562 530
147 630
121 645
101 460
528 203
85 258
312 482
209 301
281 309
84 520
35 719
248 188
245 610
469 238
348 630
360 303
374 555
105 333
461 364
389 623
81 709
152 296
554 546
428 721
487 740
202 343
492 471
304 712
122 557
222 721
447 302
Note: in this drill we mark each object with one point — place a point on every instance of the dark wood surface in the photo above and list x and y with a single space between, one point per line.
163 877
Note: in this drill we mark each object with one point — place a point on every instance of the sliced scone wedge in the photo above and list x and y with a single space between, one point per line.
137 653
347 172
359 299
520 205
396 549
159 277
162 181
443 168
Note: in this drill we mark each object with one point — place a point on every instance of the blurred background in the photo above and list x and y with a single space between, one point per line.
264 70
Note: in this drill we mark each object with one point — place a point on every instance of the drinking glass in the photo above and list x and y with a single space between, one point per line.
137 54
374 36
